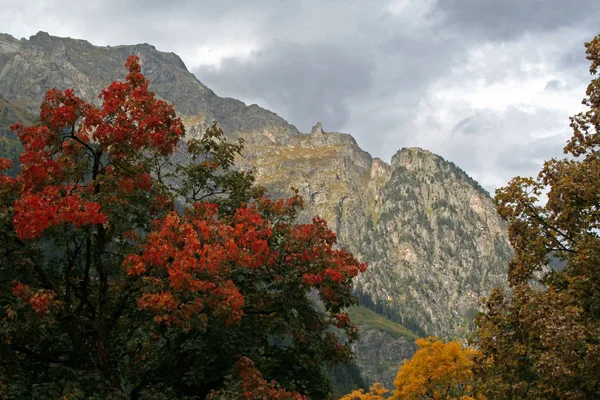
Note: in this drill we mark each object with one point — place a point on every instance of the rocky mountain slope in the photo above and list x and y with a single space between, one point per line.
429 232
435 245
383 345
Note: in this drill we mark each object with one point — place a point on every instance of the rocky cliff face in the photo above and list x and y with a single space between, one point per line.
378 355
383 346
429 232
434 243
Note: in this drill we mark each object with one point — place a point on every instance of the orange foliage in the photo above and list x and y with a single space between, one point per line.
439 371
377 392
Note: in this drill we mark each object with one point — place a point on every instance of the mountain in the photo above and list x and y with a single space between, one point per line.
435 245
28 68
429 232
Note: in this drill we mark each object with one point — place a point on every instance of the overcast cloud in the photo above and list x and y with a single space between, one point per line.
488 84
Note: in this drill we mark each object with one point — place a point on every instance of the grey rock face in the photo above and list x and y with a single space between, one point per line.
435 246
8 44
9 47
378 355
317 129
430 234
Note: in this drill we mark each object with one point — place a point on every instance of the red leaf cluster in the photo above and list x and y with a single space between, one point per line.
57 183
39 301
251 385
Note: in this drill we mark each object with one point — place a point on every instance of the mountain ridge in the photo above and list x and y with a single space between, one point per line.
26 74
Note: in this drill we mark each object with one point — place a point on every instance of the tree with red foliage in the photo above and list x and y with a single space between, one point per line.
124 275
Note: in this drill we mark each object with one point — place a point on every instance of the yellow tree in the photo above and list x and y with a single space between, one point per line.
438 371
377 392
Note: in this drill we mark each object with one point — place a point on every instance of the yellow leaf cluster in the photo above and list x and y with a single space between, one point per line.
439 371
377 392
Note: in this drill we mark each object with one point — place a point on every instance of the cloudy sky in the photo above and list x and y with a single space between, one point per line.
488 84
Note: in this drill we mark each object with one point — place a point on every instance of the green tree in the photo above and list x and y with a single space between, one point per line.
123 275
542 340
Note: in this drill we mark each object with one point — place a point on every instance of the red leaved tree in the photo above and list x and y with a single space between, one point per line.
124 275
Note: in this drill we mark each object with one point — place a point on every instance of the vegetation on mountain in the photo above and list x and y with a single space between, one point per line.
345 378
10 149
10 146
363 316
10 113
123 275
541 340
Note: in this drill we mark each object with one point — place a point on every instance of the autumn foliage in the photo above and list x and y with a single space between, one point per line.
124 275
376 392
438 371
542 339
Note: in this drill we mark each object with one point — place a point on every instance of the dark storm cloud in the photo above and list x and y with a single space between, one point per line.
411 63
507 19
306 83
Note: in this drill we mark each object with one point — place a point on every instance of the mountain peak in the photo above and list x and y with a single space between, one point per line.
42 37
317 129
67 63
425 163
417 151
414 156
41 34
